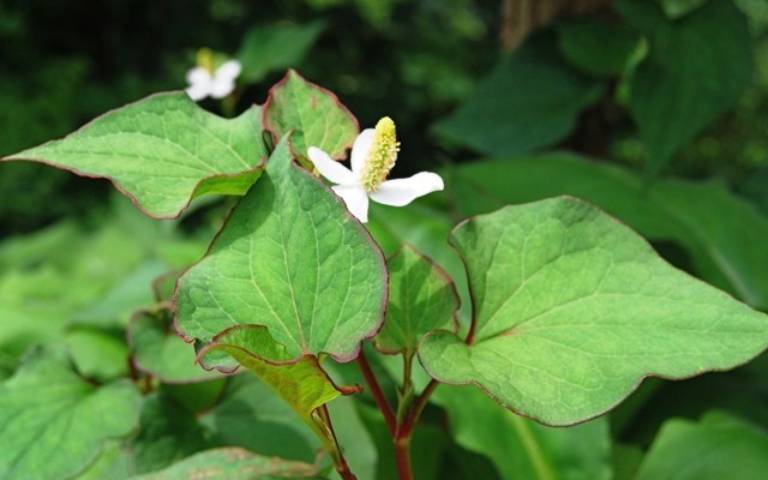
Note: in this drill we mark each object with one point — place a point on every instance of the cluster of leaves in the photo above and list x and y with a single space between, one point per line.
562 311
569 310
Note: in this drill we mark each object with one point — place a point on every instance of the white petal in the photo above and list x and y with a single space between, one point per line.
330 168
198 75
221 88
356 200
228 71
360 150
402 191
198 91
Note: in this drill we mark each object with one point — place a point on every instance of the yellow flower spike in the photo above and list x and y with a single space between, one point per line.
381 156
205 60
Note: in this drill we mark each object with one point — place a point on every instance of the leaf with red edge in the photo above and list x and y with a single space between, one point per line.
422 297
301 382
291 258
572 310
315 116
161 152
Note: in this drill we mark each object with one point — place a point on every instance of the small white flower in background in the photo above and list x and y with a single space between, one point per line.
374 153
207 80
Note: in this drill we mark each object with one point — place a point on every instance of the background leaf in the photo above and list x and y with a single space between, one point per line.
234 464
521 448
157 349
719 446
596 47
54 424
529 101
682 88
274 47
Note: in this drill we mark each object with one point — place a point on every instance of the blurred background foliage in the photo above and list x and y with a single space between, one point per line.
654 110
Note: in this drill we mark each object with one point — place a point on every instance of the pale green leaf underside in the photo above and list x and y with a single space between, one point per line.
290 258
573 310
233 463
421 298
162 151
54 424
156 349
302 383
314 115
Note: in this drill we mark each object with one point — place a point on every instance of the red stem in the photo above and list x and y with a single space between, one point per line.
378 394
405 430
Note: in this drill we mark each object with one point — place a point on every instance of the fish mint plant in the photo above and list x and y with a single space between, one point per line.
570 309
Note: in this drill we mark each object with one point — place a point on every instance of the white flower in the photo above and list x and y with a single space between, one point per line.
218 83
373 155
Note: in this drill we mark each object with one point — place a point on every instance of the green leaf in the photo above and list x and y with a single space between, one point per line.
681 88
157 349
168 433
53 424
573 309
161 152
290 258
301 382
118 304
315 116
426 229
706 218
521 448
422 298
98 354
273 47
598 48
233 463
251 415
717 447
529 101
679 8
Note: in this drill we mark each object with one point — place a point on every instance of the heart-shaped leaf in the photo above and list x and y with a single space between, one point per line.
315 116
572 310
273 47
234 464
530 100
292 259
301 382
162 151
712 223
422 298
53 424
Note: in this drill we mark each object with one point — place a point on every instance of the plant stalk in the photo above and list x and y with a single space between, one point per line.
402 438
327 434
377 393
